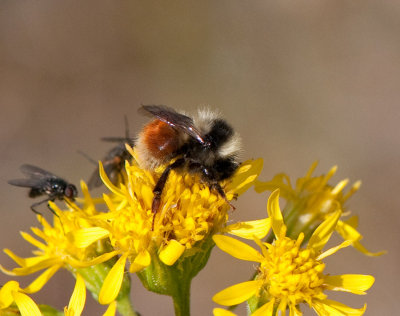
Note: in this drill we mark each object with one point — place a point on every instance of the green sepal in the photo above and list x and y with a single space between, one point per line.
175 280
47 310
258 300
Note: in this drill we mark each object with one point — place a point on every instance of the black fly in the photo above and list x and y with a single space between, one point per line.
42 182
114 161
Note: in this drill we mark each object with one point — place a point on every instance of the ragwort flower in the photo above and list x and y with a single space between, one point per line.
288 274
312 200
56 249
189 214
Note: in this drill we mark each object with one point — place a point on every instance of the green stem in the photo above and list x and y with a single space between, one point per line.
181 299
125 307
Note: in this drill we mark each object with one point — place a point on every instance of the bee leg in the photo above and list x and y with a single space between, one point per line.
221 192
155 206
212 184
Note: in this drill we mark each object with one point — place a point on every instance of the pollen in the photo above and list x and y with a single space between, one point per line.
291 273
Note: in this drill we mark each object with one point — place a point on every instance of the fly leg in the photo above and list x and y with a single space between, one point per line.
37 204
155 206
51 198
51 210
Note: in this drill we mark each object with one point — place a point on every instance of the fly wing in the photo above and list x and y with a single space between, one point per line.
175 119
27 183
95 180
122 140
112 171
36 172
126 139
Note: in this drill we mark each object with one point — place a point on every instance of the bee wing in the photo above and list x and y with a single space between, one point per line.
26 183
175 119
36 172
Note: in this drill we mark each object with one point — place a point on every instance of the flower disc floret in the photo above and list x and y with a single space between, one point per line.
291 272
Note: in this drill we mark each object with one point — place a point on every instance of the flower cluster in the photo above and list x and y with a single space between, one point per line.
289 274
312 200
99 239
98 244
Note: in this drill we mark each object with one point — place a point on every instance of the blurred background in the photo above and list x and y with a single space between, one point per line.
299 80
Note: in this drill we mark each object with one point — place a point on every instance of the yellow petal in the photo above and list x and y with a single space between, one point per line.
247 230
265 310
111 310
280 181
33 241
354 283
324 231
84 237
293 311
108 183
19 260
26 306
147 196
88 201
237 248
23 262
43 264
143 258
274 212
84 264
331 251
134 267
78 298
171 252
345 309
245 175
41 280
222 312
237 293
6 291
363 250
333 308
112 283
282 306
348 230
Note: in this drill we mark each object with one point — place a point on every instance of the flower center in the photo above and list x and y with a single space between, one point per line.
291 273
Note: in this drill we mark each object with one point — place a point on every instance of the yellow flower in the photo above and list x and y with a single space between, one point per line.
190 212
312 200
57 248
12 293
289 274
